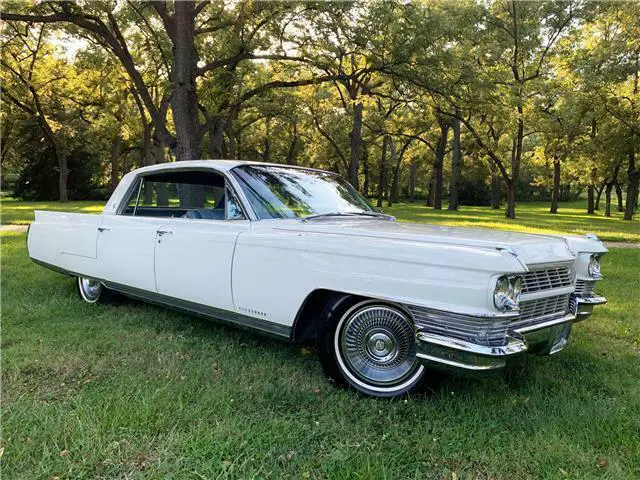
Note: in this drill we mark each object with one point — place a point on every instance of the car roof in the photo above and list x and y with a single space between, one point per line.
220 165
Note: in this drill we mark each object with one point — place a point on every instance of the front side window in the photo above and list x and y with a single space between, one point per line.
189 194
284 192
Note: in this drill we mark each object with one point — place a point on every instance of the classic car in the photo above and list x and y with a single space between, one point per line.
299 254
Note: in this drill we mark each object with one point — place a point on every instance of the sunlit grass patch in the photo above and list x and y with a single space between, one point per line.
531 217
17 212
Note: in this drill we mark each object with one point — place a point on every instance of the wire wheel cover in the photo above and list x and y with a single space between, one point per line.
378 345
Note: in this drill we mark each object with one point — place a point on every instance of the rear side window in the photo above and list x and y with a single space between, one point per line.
191 194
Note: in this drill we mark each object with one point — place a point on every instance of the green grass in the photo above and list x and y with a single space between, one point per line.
532 217
137 391
17 212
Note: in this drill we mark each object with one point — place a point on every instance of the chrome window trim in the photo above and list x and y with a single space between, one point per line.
229 182
127 196
135 208
228 192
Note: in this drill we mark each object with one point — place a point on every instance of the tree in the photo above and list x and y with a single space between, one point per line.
30 85
182 24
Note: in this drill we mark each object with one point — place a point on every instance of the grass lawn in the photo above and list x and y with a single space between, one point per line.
532 217
17 212
137 391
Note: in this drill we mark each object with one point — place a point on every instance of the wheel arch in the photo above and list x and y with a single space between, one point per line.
307 322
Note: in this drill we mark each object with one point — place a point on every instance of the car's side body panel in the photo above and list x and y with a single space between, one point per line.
194 260
275 269
66 240
126 250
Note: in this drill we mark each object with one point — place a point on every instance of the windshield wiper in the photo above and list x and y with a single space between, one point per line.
348 214
376 214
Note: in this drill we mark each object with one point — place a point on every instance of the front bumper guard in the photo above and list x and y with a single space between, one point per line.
545 338
586 304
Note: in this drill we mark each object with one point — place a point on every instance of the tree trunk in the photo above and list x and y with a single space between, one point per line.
383 171
555 188
147 155
412 181
619 196
438 163
607 199
590 200
115 156
456 164
430 190
394 197
511 199
598 195
293 146
495 188
632 186
184 100
231 139
393 194
63 179
356 143
216 139
158 156
365 171
516 158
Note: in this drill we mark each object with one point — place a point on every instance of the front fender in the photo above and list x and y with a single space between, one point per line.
275 270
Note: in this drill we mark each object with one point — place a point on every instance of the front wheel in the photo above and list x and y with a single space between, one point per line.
93 291
370 346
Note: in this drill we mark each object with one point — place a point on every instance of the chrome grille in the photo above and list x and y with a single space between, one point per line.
546 279
584 288
484 331
540 310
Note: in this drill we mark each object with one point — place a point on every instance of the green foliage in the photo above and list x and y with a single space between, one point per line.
284 81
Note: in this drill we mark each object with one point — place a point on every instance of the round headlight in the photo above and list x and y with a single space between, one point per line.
594 266
506 295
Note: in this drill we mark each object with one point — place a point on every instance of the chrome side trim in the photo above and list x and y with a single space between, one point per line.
264 326
261 325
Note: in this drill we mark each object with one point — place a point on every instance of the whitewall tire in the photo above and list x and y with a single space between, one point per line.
370 346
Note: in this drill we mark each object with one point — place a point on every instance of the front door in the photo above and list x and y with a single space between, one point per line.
193 260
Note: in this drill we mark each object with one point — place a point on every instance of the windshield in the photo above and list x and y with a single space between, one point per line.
285 192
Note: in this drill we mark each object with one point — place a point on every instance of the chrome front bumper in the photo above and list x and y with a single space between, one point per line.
544 338
586 304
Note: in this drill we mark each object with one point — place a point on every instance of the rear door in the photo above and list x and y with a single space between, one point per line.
126 246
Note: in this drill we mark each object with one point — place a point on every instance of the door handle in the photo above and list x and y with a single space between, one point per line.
162 232
103 229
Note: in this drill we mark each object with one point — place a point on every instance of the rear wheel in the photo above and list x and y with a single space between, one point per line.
370 346
93 291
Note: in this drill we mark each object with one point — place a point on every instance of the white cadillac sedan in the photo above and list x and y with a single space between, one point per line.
299 254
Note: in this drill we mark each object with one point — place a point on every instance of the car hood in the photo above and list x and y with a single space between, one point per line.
529 248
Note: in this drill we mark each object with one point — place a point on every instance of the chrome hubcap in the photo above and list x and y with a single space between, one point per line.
90 288
378 345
